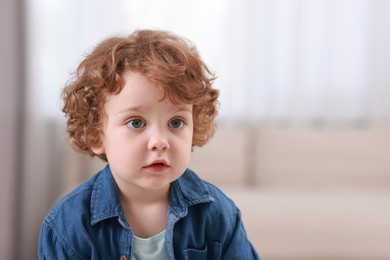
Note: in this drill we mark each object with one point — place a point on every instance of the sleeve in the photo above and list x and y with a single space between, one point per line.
239 247
52 246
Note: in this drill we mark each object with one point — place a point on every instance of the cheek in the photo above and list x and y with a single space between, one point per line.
120 145
131 147
125 154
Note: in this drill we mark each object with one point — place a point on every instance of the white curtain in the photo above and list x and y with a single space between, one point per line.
277 60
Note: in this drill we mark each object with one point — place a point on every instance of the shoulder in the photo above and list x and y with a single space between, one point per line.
84 221
61 226
75 202
220 198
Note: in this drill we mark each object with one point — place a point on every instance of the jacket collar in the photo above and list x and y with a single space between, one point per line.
104 199
186 191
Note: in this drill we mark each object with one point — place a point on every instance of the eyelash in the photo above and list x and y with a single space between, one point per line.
182 123
130 123
141 123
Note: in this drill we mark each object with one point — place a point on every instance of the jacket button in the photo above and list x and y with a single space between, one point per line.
123 257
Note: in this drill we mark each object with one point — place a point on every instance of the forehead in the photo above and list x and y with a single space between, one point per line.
177 93
139 92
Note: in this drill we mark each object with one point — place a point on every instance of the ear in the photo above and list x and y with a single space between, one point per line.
98 148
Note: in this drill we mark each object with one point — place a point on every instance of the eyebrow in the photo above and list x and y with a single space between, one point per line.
184 109
137 108
140 108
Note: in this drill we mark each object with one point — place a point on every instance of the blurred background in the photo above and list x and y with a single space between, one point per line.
303 139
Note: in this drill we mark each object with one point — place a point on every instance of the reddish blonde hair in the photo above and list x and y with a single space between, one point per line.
163 58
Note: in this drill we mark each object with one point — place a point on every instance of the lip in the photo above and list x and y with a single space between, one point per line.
157 166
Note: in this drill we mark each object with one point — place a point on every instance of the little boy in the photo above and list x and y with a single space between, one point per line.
141 103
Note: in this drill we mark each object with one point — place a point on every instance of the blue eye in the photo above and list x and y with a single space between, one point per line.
176 123
136 123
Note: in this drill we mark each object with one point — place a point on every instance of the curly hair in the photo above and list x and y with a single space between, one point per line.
163 58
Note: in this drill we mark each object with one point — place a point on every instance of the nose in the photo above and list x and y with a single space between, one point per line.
158 140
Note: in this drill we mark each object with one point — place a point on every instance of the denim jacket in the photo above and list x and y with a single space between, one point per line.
88 223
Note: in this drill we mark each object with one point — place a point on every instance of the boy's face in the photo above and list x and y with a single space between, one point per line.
147 140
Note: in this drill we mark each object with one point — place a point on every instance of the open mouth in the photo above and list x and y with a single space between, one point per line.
159 164
157 167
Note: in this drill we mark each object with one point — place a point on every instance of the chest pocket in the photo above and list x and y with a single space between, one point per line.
212 251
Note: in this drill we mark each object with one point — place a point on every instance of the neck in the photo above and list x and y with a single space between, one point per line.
137 195
145 210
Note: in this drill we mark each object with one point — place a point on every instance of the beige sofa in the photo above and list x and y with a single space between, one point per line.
306 192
